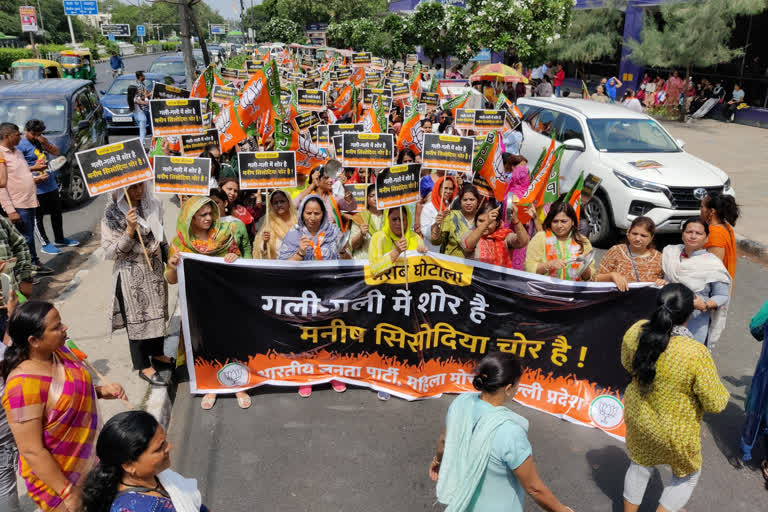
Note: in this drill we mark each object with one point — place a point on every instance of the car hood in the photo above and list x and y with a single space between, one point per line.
678 169
115 101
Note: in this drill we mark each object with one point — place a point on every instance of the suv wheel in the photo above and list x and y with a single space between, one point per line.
599 217
75 193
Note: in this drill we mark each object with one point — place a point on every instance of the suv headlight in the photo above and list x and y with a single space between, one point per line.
639 184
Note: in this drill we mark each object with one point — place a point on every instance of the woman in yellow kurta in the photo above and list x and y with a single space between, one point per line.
393 239
674 382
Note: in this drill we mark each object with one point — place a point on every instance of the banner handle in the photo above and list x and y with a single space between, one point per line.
105 381
138 231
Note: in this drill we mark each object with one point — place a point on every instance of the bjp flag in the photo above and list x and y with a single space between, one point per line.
413 81
374 118
536 188
488 164
574 196
343 104
203 86
308 155
456 103
230 129
254 103
411 136
358 77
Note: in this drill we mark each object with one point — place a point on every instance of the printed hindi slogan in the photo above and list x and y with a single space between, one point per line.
448 152
320 321
267 169
176 117
397 186
311 99
161 91
114 166
193 145
182 175
367 149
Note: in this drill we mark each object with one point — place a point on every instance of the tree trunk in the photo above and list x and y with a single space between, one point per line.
203 44
186 44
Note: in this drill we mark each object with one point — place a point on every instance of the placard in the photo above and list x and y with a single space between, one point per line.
360 59
429 98
359 193
267 169
253 66
377 63
465 119
193 145
401 90
182 175
305 120
448 152
176 117
373 78
320 136
367 150
114 166
161 91
335 132
306 83
368 94
343 73
396 76
223 95
411 59
312 100
397 186
230 73
488 120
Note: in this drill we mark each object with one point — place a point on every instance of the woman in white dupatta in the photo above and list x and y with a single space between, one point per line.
704 273
133 473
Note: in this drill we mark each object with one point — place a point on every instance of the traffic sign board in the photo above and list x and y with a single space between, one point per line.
141 31
81 7
218 29
118 30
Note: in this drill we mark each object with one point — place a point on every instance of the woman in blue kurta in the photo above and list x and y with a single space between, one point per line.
483 461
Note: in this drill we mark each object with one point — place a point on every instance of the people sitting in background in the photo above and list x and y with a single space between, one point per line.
721 212
281 219
730 107
492 243
635 260
556 251
689 263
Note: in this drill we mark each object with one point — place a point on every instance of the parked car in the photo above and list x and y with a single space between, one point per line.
170 65
115 102
644 170
73 118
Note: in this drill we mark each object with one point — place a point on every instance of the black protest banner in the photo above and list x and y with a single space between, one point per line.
400 90
306 83
359 194
307 62
465 119
343 73
310 323
369 93
448 152
335 131
377 63
373 78
488 120
361 59
367 150
182 175
304 120
411 59
223 95
267 169
312 100
176 117
396 76
193 145
229 73
161 91
430 98
114 166
397 186
253 66
319 135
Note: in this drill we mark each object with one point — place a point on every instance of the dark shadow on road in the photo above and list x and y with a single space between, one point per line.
726 428
608 466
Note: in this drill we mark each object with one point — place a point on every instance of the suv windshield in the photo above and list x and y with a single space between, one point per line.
630 136
19 111
168 67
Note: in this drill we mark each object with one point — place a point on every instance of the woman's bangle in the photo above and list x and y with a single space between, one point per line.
299 253
64 494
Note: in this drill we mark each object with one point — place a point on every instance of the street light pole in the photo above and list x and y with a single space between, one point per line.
71 31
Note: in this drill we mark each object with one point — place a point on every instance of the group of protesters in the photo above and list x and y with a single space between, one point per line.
484 459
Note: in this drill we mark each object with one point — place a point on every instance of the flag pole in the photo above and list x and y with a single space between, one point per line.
138 231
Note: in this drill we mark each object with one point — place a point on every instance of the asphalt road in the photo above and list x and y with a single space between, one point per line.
352 452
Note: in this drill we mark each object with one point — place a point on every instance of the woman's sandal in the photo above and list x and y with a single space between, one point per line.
764 467
244 402
207 402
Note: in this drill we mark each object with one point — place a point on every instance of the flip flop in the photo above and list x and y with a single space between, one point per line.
244 402
764 467
207 402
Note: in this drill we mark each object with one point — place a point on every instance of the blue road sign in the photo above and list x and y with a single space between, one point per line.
111 37
141 31
84 7
90 7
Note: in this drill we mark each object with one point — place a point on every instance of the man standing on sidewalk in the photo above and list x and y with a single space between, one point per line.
19 197
34 146
558 83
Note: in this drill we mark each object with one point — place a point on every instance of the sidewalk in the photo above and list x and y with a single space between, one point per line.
738 150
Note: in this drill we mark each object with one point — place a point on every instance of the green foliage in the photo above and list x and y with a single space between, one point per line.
8 55
520 28
591 35
426 26
283 30
236 62
45 49
401 42
694 33
340 34
92 46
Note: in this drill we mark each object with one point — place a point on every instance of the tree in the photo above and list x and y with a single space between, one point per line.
692 34
400 41
523 28
303 12
284 31
591 35
427 28
340 34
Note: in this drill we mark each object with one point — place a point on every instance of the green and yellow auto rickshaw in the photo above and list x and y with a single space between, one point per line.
78 64
35 69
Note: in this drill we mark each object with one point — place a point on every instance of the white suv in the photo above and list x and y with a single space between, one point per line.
644 170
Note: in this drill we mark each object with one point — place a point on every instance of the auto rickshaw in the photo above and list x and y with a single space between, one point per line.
35 69
78 64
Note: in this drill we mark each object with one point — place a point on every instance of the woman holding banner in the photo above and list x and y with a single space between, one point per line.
484 461
635 260
314 237
364 225
394 239
451 226
281 219
200 230
140 294
492 243
559 250
443 193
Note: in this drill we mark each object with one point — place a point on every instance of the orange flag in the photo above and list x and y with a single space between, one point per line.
230 129
254 103
488 164
358 77
411 136
343 103
535 192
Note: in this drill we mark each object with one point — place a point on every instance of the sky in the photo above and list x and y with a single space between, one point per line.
225 6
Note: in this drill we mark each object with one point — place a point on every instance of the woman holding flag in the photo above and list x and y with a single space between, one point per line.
443 193
492 243
556 251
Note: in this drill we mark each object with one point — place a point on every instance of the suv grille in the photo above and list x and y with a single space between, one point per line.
683 198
